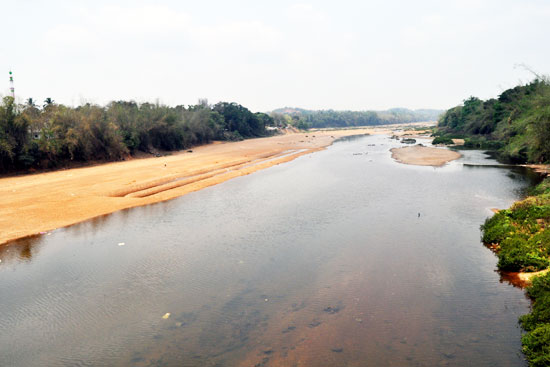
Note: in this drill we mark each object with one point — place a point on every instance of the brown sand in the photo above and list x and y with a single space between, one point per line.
540 168
528 277
424 156
37 203
521 279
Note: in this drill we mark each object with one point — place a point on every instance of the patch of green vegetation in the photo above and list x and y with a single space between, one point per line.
442 140
523 239
447 134
521 235
536 342
542 190
518 253
516 124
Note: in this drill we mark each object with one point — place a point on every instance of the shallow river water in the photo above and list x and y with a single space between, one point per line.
338 258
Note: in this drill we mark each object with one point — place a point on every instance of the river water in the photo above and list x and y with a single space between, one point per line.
339 258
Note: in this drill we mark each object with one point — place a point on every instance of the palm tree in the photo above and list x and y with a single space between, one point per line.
48 101
30 103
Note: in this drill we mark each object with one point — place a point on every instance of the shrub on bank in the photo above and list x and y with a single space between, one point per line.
539 286
442 140
523 237
497 228
536 346
518 253
542 189
520 232
536 342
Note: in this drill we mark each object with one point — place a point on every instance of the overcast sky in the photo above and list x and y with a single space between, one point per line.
342 54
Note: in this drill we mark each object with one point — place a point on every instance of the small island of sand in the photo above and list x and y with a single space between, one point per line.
424 156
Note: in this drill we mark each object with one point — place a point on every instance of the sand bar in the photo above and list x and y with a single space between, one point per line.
424 156
36 203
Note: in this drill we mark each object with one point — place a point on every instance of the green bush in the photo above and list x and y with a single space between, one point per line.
443 140
539 286
524 246
517 253
497 228
542 188
536 342
542 240
540 313
536 346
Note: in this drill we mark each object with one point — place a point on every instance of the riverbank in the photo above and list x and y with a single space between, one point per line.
520 238
424 156
39 203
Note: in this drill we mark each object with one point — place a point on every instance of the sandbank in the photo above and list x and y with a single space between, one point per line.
424 156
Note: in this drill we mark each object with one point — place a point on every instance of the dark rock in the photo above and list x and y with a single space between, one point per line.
332 310
289 329
314 323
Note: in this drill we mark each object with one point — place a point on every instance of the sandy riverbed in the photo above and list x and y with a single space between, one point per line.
39 203
424 156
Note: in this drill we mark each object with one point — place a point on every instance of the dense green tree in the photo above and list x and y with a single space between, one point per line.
13 134
516 124
55 134
239 119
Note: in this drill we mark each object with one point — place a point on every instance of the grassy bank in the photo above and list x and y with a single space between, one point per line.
521 239
518 234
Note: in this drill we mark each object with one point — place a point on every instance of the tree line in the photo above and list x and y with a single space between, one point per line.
48 136
51 135
332 118
516 124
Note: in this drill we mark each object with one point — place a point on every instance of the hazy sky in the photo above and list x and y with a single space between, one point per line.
266 54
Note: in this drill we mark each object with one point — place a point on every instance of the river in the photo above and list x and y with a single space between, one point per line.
343 257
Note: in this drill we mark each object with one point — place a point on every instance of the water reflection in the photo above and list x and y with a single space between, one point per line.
22 250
